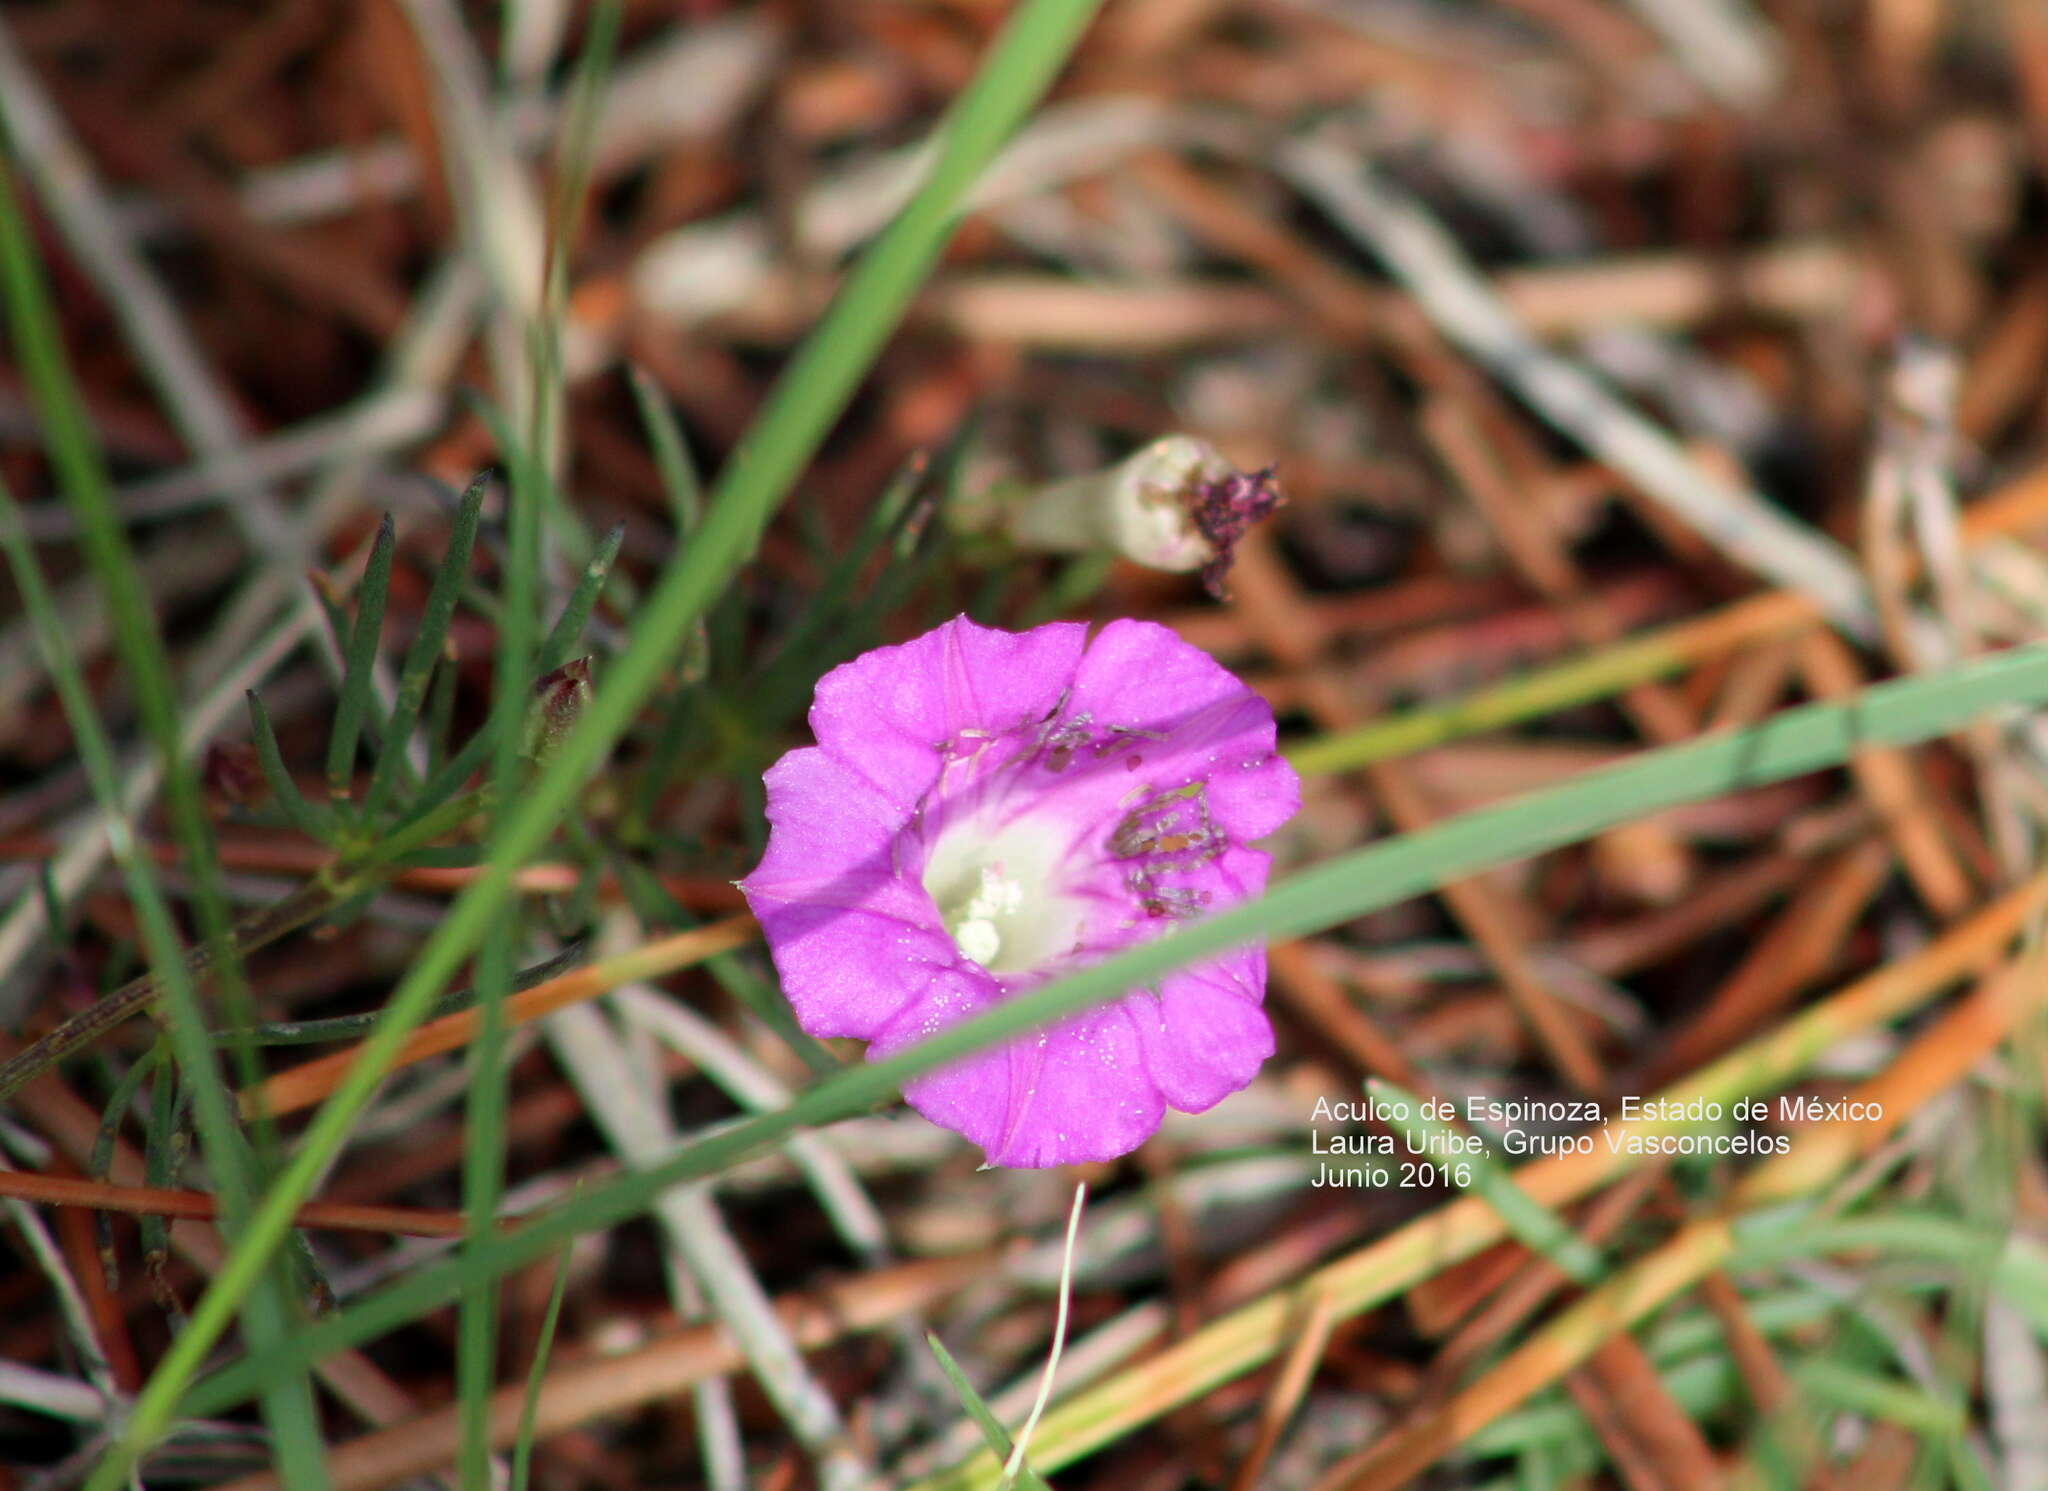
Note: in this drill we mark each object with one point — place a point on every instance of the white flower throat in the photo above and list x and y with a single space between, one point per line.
975 926
997 894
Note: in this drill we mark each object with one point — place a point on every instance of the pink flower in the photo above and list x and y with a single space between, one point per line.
987 810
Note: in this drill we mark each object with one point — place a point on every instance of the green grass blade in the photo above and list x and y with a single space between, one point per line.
1584 680
332 611
532 496
1338 890
448 775
447 779
562 637
116 1111
441 711
483 1147
101 1160
54 920
672 461
529 1407
359 664
567 527
992 1432
315 823
426 647
160 1158
1864 1392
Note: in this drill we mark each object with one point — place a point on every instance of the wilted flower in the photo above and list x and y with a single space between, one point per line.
987 810
1175 505
1225 510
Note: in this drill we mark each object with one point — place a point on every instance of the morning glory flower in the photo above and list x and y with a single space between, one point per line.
988 810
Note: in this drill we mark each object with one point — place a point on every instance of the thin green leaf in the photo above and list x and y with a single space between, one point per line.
331 609
441 709
483 1150
992 1432
526 470
116 1111
672 461
360 663
426 646
568 627
162 1150
315 823
1887 1398
307 1273
53 907
32 324
447 780
532 495
1579 680
529 1407
101 1164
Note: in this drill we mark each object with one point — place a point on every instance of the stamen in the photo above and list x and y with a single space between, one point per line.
1001 896
976 927
1060 739
1168 823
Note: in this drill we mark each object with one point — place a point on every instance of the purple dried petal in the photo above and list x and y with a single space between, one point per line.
1225 511
988 810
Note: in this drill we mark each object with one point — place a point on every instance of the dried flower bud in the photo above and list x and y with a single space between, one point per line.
1225 511
231 770
558 701
1176 505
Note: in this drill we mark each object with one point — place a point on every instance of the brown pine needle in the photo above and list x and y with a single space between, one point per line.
155 1201
303 1086
1289 1388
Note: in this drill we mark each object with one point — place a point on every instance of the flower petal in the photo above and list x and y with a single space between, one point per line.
1204 1036
1139 674
1252 797
1190 719
851 973
830 830
1077 1092
894 709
